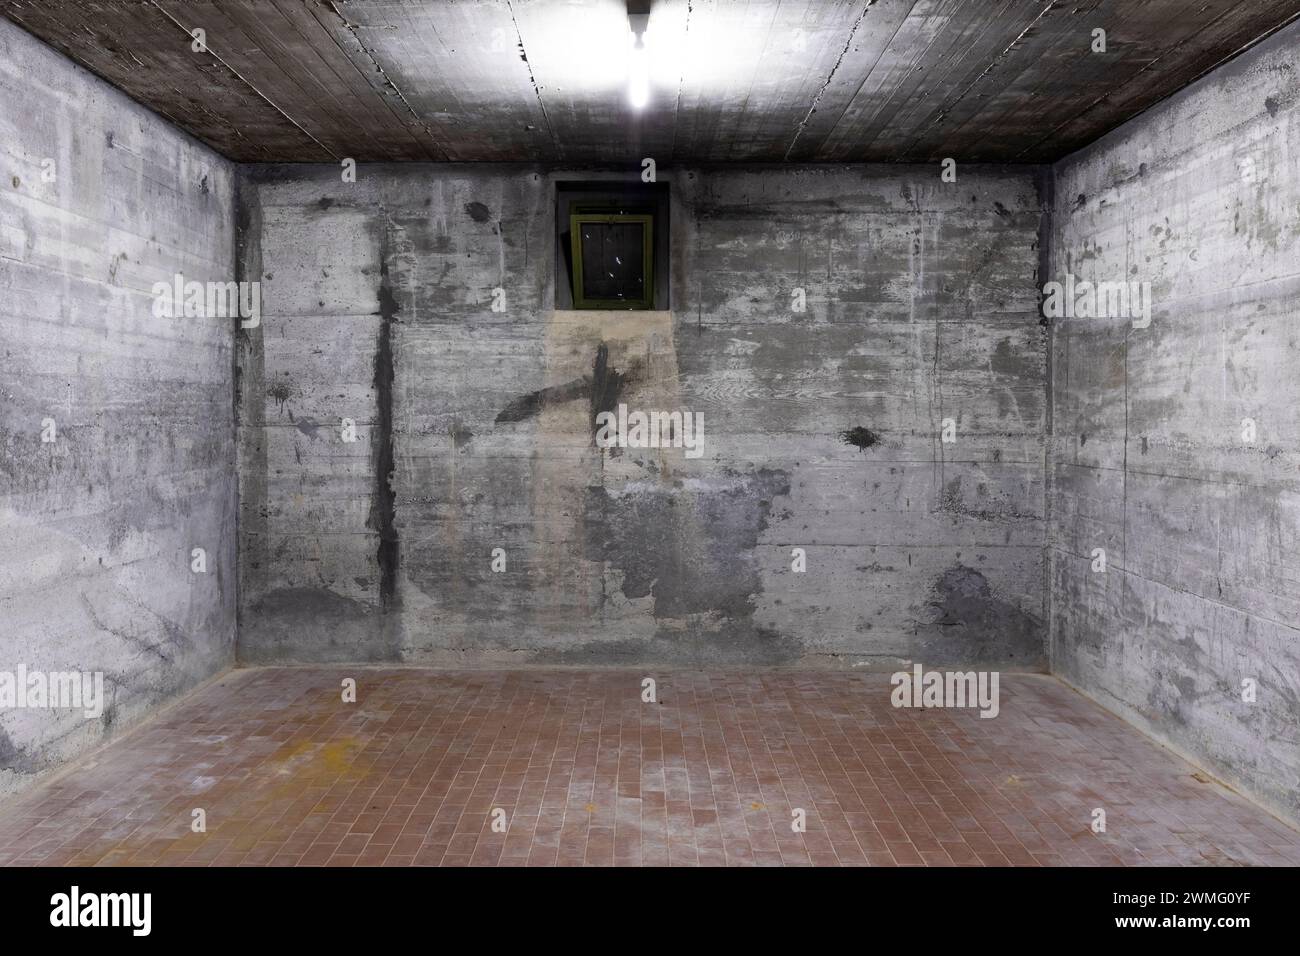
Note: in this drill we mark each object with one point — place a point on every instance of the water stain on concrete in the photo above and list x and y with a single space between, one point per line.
603 388
972 624
307 426
461 436
383 509
280 392
313 624
13 759
693 552
860 437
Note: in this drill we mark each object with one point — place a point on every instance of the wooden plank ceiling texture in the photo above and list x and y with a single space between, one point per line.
732 80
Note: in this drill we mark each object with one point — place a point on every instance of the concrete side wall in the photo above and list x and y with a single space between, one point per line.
100 199
474 427
1150 462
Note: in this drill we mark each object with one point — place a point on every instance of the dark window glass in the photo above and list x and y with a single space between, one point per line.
613 260
613 256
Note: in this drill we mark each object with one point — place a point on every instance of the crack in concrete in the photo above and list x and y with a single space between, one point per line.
245 81
137 642
987 70
388 80
821 91
537 90
208 49
681 79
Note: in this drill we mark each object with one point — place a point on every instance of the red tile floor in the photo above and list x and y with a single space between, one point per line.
586 773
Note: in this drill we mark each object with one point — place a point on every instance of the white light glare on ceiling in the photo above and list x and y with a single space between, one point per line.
638 61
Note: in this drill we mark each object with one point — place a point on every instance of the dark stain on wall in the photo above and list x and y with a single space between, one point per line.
606 384
529 405
478 212
972 624
461 436
603 387
383 508
312 624
861 437
693 553
13 759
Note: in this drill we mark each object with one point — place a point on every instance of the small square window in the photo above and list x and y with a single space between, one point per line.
613 260
616 272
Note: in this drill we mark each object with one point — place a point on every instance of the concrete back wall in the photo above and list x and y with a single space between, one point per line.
1201 527
474 427
97 527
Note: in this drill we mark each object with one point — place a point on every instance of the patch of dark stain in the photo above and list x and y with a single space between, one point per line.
460 435
1145 445
1271 104
280 392
313 624
974 625
526 406
1079 202
1001 210
324 203
12 758
17 182
203 185
1083 439
307 427
383 507
388 307
478 212
693 553
1004 360
1186 686
862 438
108 139
606 384
602 387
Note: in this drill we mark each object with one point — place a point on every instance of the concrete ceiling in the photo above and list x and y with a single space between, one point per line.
738 81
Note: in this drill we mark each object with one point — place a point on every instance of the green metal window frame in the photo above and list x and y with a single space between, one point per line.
580 301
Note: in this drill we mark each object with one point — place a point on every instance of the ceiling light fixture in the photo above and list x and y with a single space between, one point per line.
638 60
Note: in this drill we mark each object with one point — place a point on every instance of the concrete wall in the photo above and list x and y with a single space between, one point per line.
1201 527
96 527
474 427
